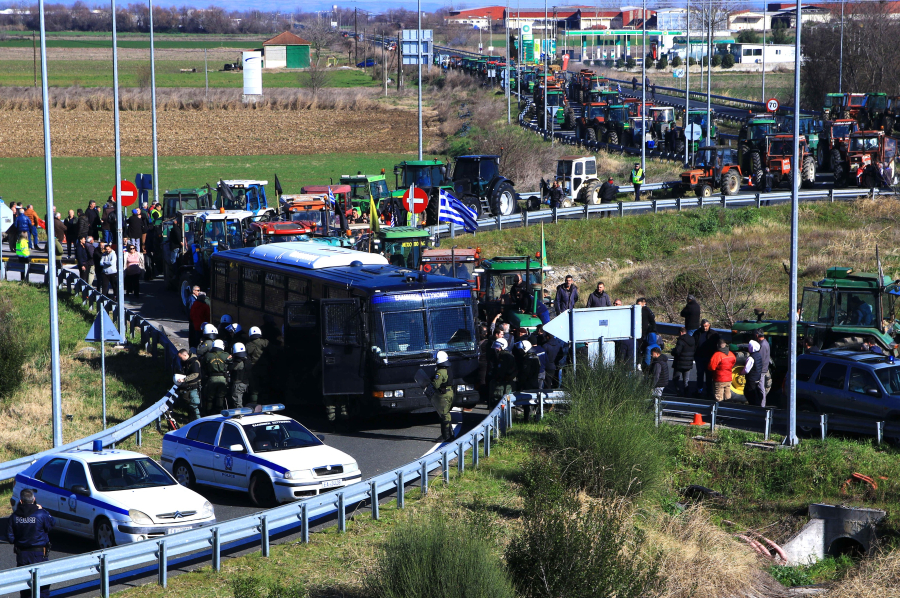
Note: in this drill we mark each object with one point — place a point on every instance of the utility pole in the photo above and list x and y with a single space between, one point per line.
791 438
419 66
643 111
34 54
841 61
118 186
687 85
546 61
383 64
508 70
709 25
56 396
355 37
153 102
206 72
399 54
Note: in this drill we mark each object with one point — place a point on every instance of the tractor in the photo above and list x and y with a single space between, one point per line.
429 175
577 176
591 126
510 286
618 125
477 182
752 146
867 147
558 110
662 120
833 105
242 195
263 233
401 245
194 198
833 143
366 187
694 118
779 158
871 117
312 213
714 167
456 262
585 85
810 127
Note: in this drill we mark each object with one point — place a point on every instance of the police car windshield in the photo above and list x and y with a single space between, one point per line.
424 322
268 436
890 379
128 474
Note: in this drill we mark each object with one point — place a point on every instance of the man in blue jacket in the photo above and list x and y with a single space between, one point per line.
28 531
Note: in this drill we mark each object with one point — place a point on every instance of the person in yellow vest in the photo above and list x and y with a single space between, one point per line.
22 248
637 179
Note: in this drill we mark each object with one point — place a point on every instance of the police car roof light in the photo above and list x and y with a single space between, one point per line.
234 412
97 446
273 407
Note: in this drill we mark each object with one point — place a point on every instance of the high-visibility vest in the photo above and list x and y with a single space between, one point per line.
22 249
637 176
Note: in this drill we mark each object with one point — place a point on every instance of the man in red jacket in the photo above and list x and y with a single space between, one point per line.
721 364
198 316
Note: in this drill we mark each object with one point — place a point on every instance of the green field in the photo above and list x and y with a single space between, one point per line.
93 73
78 180
107 42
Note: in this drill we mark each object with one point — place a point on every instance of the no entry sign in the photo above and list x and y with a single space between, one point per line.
415 200
129 193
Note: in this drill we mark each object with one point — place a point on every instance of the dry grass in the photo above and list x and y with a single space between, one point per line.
101 99
878 577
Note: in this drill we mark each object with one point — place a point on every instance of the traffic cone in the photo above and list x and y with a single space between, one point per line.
698 420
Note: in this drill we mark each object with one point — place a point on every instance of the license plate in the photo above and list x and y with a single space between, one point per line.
332 484
175 530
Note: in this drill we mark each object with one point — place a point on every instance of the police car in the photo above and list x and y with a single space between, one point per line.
271 456
112 496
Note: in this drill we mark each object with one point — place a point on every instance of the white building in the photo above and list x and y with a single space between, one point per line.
748 20
753 53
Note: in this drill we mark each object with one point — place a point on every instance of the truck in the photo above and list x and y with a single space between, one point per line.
714 167
837 312
510 285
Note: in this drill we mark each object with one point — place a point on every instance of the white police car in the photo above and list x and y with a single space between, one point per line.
272 456
112 496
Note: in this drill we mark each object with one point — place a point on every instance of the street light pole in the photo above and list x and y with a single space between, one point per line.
795 231
709 74
153 108
419 66
508 100
55 393
546 52
687 84
841 61
765 9
643 111
118 186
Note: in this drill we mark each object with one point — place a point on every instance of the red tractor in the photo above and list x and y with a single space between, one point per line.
263 233
833 142
591 125
779 158
867 148
713 167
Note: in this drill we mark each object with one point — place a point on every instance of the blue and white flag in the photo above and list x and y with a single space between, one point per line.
330 196
455 211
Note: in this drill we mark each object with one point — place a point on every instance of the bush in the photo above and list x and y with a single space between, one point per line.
247 586
619 63
12 351
677 62
569 549
608 443
662 63
748 36
728 61
716 60
692 61
630 62
436 558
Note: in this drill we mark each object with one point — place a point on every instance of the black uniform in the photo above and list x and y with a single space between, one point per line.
28 531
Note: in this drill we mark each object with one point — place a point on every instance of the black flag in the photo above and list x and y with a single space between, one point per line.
278 186
226 192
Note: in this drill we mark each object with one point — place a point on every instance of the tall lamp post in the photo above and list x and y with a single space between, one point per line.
118 195
791 438
709 48
153 109
687 84
841 60
643 111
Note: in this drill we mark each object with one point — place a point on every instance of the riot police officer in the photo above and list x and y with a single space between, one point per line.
189 383
442 399
257 351
28 531
216 364
241 371
210 334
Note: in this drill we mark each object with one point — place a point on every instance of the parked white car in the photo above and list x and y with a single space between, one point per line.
112 496
271 456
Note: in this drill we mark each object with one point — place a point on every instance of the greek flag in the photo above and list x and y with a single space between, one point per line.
455 211
330 196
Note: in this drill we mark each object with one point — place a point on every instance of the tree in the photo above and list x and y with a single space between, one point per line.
630 62
677 62
316 76
732 281
779 33
663 62
748 36
728 61
716 60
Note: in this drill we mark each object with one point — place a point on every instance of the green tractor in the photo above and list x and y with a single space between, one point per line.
837 312
833 105
752 146
477 182
811 127
429 175
193 198
558 111
618 124
694 119
510 286
872 117
366 187
401 245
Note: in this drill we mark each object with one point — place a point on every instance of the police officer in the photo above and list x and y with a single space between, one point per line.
210 334
637 179
215 364
240 370
189 386
504 371
257 351
28 531
442 399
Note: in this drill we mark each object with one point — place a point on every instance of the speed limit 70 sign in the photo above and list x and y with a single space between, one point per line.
772 105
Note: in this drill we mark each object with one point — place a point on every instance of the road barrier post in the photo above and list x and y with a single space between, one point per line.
423 479
162 575
264 535
35 582
712 418
621 209
487 440
452 230
373 496
475 450
653 203
460 458
304 523
401 491
879 431
758 201
342 515
678 203
104 577
216 550
499 225
657 412
445 468
768 423
823 424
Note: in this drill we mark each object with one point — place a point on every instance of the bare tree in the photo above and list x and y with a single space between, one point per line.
316 76
733 281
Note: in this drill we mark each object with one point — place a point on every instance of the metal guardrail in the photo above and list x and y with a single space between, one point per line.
624 208
96 568
150 339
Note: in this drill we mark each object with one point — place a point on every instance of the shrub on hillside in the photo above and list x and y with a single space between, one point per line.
567 548
436 558
662 63
619 63
608 443
12 352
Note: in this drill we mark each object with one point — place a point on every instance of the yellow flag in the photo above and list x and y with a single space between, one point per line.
543 247
374 223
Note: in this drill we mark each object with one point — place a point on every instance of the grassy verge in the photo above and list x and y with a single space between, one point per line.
132 381
75 179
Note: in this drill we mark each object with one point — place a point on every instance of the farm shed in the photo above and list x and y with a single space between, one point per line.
286 50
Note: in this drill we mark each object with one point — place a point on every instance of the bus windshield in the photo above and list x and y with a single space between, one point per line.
423 322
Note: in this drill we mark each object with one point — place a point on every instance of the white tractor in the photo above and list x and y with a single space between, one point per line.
577 175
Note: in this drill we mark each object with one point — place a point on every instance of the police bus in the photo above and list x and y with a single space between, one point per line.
352 324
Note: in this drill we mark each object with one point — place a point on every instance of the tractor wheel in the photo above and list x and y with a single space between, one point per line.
569 119
808 175
613 138
756 170
503 199
703 190
590 135
590 193
432 209
470 201
838 168
566 202
679 146
820 158
731 183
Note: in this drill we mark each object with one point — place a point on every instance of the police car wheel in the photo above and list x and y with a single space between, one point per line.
104 534
262 493
184 475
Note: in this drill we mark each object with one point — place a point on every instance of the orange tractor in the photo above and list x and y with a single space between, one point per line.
714 167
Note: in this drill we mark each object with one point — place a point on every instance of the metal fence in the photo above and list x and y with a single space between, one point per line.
153 340
97 569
